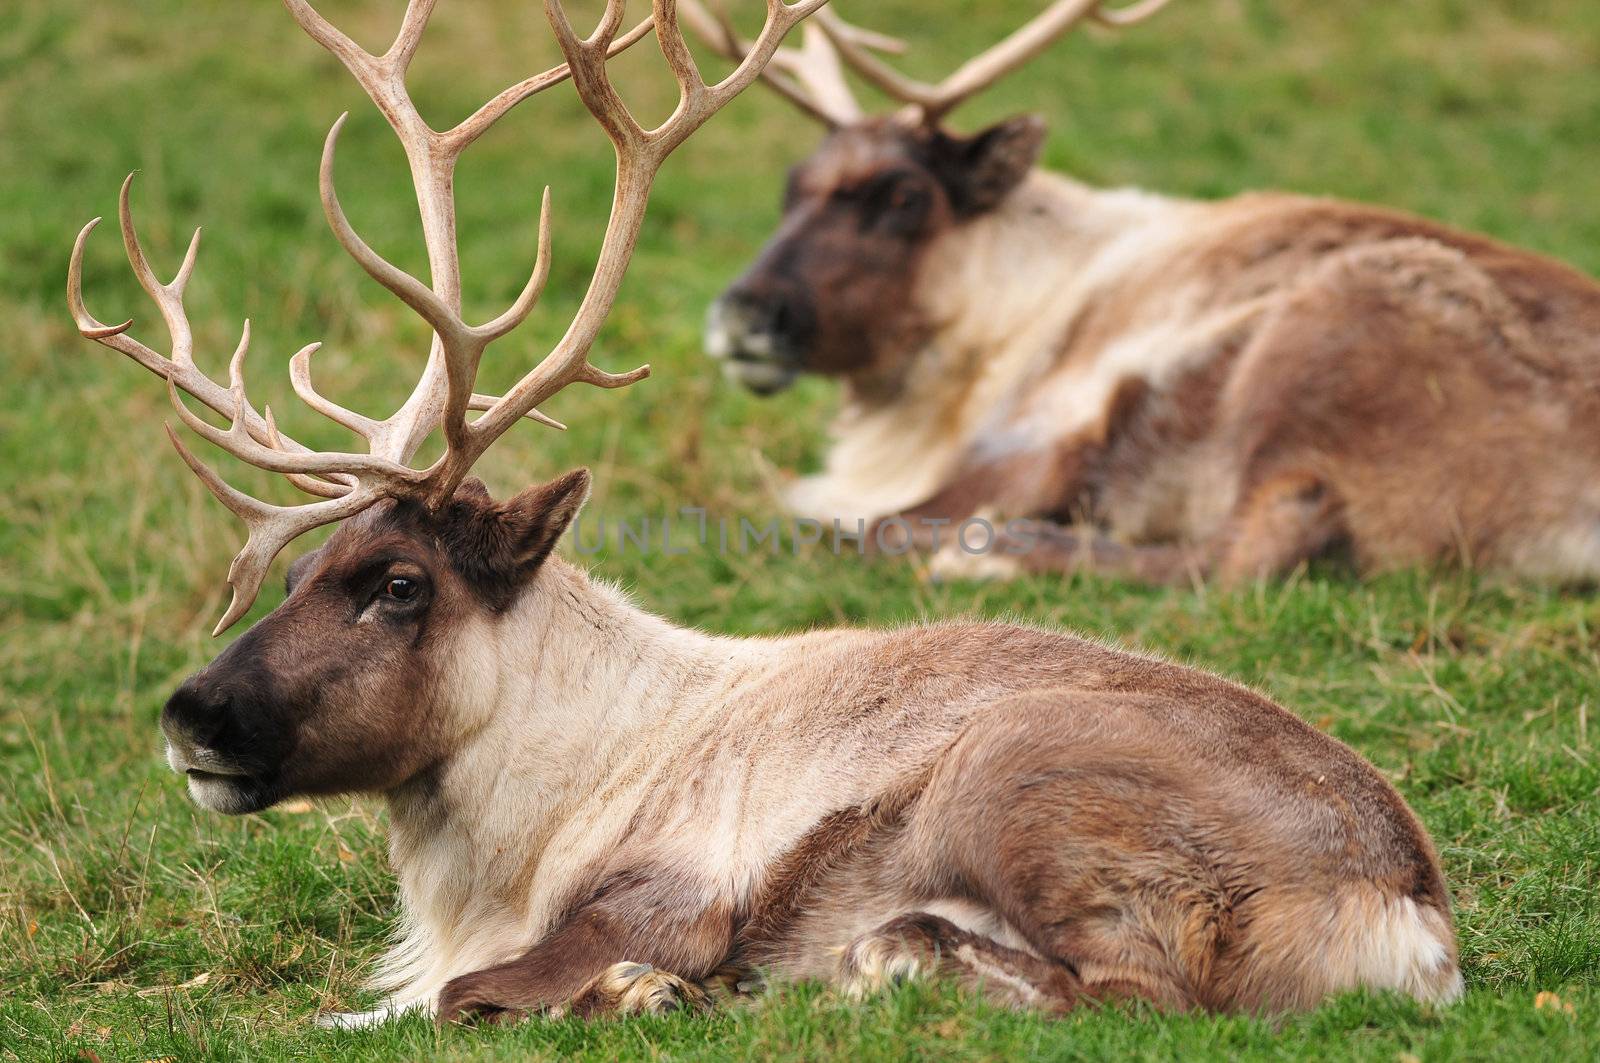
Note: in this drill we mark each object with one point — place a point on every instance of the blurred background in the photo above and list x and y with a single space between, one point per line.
1482 113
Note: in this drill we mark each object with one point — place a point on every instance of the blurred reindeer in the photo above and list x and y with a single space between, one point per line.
1212 389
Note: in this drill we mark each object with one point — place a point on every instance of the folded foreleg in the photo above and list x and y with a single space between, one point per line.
640 944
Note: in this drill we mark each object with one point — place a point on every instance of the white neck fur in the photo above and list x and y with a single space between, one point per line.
559 695
999 292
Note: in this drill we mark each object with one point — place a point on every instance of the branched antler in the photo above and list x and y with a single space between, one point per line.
984 69
810 76
813 77
347 483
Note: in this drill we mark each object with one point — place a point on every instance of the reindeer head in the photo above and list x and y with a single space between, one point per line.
362 677
339 689
832 291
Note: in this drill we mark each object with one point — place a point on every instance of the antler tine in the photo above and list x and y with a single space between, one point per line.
458 347
300 380
330 36
167 297
878 42
642 148
237 440
444 394
365 470
990 66
93 328
781 17
984 69
311 485
270 527
588 72
810 77
400 53
519 310
428 304
348 482
877 73
482 403
169 300
680 60
816 66
1127 16
478 123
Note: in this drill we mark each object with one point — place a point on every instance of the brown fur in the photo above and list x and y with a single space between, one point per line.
1079 819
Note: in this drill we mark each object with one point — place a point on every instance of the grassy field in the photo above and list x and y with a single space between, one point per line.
133 926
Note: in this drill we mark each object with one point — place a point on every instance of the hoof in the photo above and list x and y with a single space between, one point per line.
896 952
635 989
953 563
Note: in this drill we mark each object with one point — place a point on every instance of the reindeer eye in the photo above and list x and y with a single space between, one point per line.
401 589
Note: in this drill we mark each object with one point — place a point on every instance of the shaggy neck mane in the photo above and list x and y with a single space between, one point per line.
563 693
998 294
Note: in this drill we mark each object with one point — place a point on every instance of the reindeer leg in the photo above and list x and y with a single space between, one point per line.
1034 481
1282 522
921 944
1031 482
634 989
1022 547
639 946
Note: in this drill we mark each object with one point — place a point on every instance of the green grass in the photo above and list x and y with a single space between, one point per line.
133 926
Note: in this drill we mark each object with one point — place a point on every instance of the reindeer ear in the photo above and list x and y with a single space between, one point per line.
984 169
534 521
499 546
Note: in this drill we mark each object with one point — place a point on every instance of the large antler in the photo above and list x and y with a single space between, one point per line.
813 77
349 482
978 73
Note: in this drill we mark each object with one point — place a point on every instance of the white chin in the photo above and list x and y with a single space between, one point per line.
762 377
219 795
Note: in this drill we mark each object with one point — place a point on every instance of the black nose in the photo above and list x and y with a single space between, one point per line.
771 307
197 710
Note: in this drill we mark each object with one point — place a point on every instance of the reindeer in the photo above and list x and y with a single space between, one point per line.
1154 388
596 812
